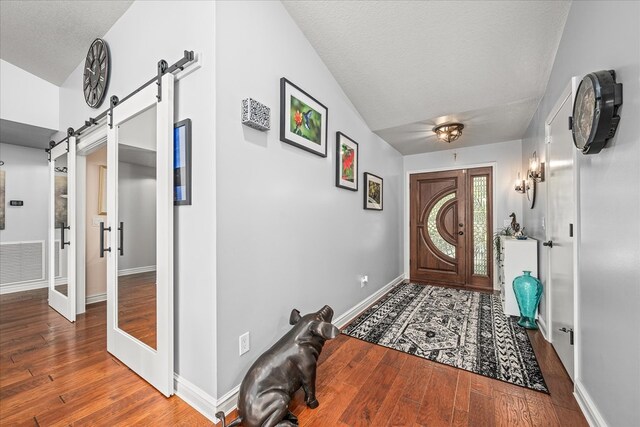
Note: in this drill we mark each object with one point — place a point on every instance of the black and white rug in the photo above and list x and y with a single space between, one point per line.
464 329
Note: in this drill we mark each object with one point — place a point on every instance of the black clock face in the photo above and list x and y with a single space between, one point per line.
585 112
96 73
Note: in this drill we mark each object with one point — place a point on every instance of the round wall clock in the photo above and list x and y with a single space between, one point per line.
96 73
595 111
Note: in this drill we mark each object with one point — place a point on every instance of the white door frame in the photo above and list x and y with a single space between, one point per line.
87 143
407 209
63 304
568 95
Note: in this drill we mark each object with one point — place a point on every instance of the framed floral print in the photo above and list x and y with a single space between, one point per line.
346 162
303 119
373 192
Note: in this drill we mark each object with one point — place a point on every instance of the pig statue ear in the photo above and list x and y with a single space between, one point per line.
325 329
295 317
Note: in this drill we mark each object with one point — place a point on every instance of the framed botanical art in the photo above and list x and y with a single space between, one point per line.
373 192
346 162
303 119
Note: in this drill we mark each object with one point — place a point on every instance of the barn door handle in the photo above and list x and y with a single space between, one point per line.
121 230
461 232
62 242
102 248
549 243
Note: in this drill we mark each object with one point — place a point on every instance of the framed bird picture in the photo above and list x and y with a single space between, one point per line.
346 162
303 119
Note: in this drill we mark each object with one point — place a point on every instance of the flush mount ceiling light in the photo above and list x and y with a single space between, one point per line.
448 132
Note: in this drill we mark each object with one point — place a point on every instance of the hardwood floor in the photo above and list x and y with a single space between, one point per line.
55 373
137 306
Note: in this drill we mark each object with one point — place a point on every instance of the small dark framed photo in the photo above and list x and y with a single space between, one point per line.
346 162
303 119
373 192
182 162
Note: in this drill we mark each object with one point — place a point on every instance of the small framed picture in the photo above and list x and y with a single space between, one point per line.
182 162
303 119
373 192
346 162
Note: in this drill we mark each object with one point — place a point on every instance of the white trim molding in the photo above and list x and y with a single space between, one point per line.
136 270
202 401
543 328
587 406
92 299
23 286
342 320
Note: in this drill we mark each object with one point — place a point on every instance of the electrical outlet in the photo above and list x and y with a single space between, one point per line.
364 280
244 343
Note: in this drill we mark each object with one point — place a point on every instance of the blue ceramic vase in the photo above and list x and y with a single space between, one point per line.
528 291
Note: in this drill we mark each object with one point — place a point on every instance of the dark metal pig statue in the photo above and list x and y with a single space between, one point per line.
291 363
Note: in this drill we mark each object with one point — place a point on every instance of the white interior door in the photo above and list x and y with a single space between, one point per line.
560 231
62 229
140 219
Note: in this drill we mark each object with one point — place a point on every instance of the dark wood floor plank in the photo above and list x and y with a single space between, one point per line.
436 408
481 411
365 405
462 391
510 410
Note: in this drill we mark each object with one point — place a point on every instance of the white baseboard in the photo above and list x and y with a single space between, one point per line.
28 286
136 270
342 320
19 287
203 402
587 406
92 299
543 328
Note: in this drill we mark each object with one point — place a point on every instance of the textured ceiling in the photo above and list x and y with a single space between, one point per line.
409 65
50 38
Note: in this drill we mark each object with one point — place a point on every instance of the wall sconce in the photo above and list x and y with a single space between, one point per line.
520 185
536 168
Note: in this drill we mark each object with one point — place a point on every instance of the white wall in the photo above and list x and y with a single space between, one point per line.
26 98
287 237
609 268
27 179
506 156
147 32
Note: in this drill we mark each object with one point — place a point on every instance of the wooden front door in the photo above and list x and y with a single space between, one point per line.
450 228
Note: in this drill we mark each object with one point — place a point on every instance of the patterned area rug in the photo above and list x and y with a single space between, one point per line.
464 329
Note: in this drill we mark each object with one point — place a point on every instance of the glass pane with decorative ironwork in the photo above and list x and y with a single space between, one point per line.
432 228
480 255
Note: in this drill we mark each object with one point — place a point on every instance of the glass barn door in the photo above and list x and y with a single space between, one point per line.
62 229
139 234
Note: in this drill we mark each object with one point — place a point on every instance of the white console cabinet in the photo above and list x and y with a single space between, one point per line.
516 256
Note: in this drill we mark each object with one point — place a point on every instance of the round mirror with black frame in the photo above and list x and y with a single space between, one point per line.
530 188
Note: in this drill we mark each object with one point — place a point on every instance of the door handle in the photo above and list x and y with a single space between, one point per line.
102 248
549 243
121 230
62 242
461 232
